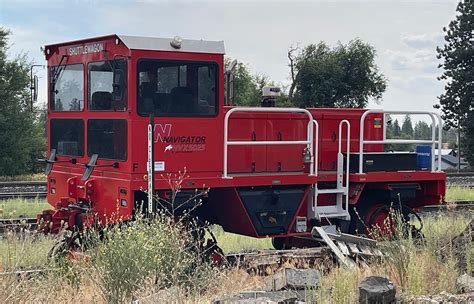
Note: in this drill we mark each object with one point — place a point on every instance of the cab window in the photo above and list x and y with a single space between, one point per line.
67 136
107 85
67 87
107 138
177 88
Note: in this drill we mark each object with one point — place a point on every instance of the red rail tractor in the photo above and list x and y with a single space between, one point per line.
271 172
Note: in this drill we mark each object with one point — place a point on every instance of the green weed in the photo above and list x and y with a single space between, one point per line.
19 207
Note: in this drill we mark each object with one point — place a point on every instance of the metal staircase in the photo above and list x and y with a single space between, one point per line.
341 209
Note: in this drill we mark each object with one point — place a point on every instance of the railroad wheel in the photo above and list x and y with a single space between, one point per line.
279 243
380 220
65 245
207 248
383 220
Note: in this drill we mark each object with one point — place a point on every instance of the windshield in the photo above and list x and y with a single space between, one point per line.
101 86
177 88
107 138
67 88
67 136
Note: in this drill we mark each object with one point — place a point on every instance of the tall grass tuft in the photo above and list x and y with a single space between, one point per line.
148 255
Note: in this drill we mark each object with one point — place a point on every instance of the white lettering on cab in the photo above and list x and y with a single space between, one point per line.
85 49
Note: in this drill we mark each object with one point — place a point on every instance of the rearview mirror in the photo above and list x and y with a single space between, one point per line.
34 88
34 85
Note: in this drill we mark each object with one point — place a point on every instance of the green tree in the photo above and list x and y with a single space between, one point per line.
407 127
458 64
422 130
20 135
450 137
245 86
397 131
468 146
344 76
248 87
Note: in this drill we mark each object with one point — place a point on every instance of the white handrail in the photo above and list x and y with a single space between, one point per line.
316 147
308 142
339 155
433 140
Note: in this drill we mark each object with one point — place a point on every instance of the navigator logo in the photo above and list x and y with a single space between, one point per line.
178 143
162 132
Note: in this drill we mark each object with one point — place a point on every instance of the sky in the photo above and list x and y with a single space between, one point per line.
404 33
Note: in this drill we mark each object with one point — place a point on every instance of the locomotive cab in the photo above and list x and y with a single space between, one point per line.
101 94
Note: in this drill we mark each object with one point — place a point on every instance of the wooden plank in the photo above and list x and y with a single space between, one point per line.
366 250
340 256
342 246
354 249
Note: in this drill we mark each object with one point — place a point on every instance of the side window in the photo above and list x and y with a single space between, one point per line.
206 89
170 77
67 88
107 138
177 88
67 136
107 85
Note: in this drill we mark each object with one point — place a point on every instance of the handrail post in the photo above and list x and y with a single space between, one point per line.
440 138
361 140
226 127
316 147
348 151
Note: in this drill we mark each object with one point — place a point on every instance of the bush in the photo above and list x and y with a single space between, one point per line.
152 254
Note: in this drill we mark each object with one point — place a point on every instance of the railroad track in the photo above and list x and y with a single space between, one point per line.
458 174
27 195
18 224
22 183
23 189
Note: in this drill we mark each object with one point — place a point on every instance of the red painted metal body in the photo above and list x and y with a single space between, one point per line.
113 193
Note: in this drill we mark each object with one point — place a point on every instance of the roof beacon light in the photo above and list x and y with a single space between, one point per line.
176 42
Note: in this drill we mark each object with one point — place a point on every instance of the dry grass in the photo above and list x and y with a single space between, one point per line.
24 252
415 269
54 288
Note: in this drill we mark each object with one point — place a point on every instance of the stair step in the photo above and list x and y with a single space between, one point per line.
331 191
329 209
332 214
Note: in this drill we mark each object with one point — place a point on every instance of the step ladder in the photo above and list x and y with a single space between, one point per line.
341 209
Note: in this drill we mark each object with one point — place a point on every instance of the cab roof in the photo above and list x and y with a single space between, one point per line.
155 44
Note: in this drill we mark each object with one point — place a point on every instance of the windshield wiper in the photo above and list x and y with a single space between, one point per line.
57 72
53 160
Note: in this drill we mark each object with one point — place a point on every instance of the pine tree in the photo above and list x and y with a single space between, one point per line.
407 127
422 130
396 129
458 64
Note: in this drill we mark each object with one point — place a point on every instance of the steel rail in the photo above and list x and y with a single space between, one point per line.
30 195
